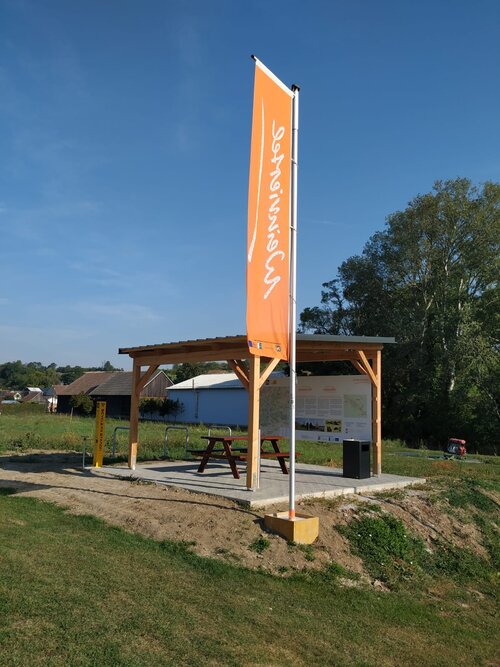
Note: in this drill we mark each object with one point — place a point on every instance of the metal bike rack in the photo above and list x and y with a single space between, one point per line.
84 438
219 427
117 428
174 428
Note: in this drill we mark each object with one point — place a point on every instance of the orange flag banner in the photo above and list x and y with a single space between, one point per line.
268 247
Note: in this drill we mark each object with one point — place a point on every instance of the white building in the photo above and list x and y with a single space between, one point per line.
212 399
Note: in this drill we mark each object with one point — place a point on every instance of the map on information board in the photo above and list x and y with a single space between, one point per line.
355 405
327 408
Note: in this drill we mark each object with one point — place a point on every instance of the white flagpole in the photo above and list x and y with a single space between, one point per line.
293 301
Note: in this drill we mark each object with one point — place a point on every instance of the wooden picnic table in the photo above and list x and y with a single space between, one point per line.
234 453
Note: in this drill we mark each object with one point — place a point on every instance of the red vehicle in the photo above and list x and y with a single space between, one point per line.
456 447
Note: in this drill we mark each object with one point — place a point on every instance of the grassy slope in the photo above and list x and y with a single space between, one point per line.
76 592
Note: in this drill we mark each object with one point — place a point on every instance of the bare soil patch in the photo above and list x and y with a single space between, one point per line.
220 528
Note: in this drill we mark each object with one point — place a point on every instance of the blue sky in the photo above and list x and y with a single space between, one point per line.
124 143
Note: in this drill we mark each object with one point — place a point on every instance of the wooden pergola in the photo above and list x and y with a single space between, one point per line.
364 352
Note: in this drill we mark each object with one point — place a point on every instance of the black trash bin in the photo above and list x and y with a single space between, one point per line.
356 454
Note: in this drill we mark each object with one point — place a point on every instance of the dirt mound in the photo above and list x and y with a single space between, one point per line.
220 528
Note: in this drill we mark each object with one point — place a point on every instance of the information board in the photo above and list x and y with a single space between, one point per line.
328 408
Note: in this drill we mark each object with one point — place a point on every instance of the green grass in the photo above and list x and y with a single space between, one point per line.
21 432
467 493
260 544
422 466
307 549
470 498
389 553
74 591
396 557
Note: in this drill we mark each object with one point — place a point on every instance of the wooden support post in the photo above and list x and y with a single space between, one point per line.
134 414
377 414
253 423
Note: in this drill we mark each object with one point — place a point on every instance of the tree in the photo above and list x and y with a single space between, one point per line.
69 374
16 375
82 404
187 371
107 366
172 407
431 280
13 375
150 406
161 406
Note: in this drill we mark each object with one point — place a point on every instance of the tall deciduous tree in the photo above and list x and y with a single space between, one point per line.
431 280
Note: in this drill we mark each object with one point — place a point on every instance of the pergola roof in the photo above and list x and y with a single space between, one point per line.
310 347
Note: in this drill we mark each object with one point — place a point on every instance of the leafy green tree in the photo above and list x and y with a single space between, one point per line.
163 407
431 280
150 406
82 404
107 366
14 375
17 375
172 407
187 371
69 374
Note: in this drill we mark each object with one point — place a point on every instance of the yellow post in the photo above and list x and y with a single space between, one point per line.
253 423
100 423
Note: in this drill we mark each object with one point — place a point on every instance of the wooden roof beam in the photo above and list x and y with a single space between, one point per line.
146 359
304 356
267 371
366 365
358 366
144 379
241 371
337 345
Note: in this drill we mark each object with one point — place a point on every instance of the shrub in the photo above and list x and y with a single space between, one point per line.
82 404
173 408
260 544
150 406
163 407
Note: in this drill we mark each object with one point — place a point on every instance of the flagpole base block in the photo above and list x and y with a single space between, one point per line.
303 529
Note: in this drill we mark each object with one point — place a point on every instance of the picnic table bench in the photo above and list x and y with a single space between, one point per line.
234 454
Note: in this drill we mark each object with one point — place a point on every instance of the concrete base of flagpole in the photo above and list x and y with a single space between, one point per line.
303 529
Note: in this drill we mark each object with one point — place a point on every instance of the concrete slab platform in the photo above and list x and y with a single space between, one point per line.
311 481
